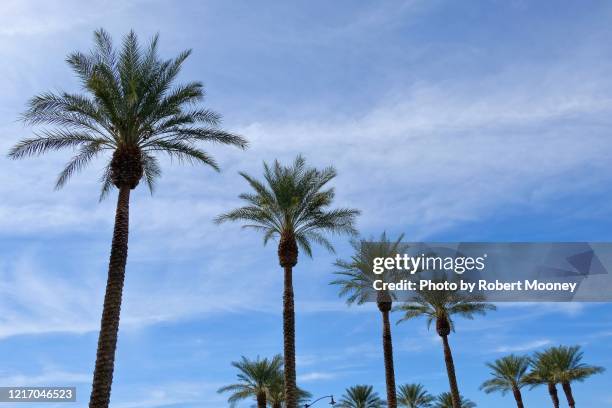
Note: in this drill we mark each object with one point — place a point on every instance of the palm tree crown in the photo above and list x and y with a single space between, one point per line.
560 365
542 373
255 378
130 108
541 370
445 400
356 276
414 396
509 374
361 396
440 306
566 364
293 201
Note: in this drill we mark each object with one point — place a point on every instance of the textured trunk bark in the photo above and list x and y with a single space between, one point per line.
552 390
289 340
450 369
261 400
567 389
276 405
388 355
287 256
109 326
518 397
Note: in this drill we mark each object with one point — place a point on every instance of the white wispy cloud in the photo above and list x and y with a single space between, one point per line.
424 158
520 347
455 152
29 18
316 376
531 309
173 393
35 300
45 378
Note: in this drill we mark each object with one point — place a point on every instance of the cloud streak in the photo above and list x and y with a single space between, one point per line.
522 347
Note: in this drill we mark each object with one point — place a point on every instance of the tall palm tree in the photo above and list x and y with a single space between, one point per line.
356 282
509 374
255 378
361 396
542 374
132 110
565 366
292 204
276 393
414 396
446 400
439 306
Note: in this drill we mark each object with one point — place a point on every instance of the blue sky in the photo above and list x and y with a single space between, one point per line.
473 121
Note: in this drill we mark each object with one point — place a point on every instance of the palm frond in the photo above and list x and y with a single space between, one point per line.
107 183
52 140
185 134
255 377
151 169
78 162
357 274
414 396
437 305
508 373
445 400
183 152
561 364
361 396
289 199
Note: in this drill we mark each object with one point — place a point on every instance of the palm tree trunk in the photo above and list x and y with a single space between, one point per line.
261 400
518 397
289 340
388 355
109 326
287 256
552 390
450 370
567 389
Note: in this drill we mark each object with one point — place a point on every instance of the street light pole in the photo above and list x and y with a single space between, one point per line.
332 402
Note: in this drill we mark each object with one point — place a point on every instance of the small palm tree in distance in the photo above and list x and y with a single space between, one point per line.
414 396
361 396
565 366
445 400
255 379
508 375
542 373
